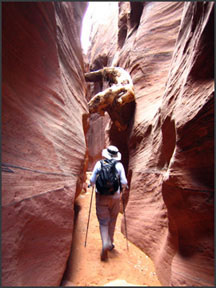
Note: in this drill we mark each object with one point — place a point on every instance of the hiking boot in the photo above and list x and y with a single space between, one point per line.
104 254
111 247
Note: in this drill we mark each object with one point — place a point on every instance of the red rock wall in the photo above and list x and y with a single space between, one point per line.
43 141
100 54
188 122
168 150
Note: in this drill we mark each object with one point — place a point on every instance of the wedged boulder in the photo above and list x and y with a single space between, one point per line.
168 51
43 140
100 54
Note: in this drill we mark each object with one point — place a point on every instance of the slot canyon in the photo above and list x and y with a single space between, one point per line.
50 141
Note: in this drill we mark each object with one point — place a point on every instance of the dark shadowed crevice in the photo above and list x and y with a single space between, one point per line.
70 263
135 14
100 62
121 140
203 67
129 23
122 34
168 143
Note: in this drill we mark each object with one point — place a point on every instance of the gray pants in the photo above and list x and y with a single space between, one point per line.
107 209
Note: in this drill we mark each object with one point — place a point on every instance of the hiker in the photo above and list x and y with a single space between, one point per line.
121 89
108 206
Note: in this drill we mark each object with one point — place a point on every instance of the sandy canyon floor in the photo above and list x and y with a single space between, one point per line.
124 267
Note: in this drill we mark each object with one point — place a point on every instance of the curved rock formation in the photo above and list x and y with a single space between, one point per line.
43 141
167 47
112 99
167 148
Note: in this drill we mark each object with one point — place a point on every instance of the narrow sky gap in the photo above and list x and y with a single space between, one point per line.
97 12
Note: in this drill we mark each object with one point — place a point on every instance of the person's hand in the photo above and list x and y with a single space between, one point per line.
125 187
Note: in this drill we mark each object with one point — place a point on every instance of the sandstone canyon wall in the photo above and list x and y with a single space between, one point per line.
100 54
168 148
43 141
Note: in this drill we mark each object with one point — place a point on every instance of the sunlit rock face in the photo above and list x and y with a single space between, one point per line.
100 54
43 143
167 47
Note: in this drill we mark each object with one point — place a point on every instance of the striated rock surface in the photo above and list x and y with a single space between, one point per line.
187 118
167 47
103 38
43 141
100 54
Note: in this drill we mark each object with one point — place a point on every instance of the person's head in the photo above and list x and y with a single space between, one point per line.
111 152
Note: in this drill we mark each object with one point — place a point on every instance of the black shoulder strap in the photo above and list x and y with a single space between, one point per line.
110 161
115 161
101 161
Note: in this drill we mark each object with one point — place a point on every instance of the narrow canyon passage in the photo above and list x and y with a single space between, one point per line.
123 268
50 140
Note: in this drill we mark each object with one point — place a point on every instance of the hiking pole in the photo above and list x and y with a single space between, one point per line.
89 215
125 222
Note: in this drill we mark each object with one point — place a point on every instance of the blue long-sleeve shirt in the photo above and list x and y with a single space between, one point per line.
120 169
